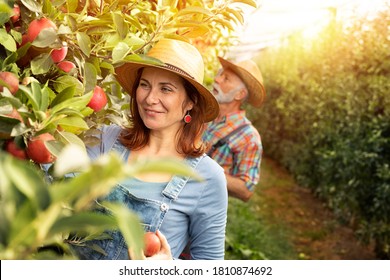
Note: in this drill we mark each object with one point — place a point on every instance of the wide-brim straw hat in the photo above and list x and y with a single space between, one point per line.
250 74
178 57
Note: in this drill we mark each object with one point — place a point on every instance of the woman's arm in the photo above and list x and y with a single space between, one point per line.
208 222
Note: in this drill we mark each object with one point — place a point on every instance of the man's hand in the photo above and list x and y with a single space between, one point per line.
237 188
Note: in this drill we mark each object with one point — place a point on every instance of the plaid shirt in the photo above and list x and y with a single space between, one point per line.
241 155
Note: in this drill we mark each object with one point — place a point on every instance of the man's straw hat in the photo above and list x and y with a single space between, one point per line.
250 74
178 57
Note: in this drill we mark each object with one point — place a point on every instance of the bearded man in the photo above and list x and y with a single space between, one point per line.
235 143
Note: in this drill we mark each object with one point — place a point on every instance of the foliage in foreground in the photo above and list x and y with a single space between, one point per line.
327 120
37 217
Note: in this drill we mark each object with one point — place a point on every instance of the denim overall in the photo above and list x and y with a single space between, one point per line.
150 212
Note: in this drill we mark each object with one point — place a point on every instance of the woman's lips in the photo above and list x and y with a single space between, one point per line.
152 112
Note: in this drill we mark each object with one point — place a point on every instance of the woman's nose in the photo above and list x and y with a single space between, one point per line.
153 96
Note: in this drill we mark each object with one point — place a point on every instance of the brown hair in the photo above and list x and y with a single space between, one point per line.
188 139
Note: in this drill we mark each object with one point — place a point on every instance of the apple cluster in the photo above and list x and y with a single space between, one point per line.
32 146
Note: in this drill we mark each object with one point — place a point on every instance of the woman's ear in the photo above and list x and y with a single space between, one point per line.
189 106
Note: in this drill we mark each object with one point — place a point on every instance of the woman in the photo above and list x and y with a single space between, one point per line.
169 106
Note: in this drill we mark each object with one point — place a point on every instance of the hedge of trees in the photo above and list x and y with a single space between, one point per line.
327 119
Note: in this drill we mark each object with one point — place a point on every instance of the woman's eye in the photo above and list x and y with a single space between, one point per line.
143 85
166 89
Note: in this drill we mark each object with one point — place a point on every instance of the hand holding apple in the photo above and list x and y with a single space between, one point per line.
152 244
164 253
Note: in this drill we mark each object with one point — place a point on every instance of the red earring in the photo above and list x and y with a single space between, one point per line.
187 118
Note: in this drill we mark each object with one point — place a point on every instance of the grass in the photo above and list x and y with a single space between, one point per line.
250 234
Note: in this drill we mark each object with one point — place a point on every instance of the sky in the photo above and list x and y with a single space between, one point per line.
275 19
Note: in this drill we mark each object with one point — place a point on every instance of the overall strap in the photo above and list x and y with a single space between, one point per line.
177 183
223 140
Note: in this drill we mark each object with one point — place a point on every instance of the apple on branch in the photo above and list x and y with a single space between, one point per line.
98 100
10 81
36 149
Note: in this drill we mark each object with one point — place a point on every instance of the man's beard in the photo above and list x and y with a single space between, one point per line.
224 98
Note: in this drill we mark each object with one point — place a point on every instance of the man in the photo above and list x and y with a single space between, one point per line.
239 149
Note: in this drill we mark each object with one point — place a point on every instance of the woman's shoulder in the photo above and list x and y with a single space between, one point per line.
210 169
107 136
110 130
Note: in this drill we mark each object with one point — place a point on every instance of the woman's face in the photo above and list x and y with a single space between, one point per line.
162 100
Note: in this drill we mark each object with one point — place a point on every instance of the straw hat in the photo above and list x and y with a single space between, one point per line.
175 56
250 74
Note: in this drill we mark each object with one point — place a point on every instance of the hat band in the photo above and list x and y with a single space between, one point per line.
177 69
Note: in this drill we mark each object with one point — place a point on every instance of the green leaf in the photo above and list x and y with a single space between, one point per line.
7 124
54 147
28 181
120 25
7 41
84 43
90 77
194 10
66 81
84 188
129 225
168 165
84 222
45 38
73 124
41 64
33 6
29 94
251 3
120 51
65 94
70 138
235 15
37 93
76 103
24 216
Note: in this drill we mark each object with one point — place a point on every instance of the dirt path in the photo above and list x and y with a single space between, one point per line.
315 232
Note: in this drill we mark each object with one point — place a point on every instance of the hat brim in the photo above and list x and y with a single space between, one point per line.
126 75
255 87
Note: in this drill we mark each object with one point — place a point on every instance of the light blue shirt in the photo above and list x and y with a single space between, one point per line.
199 213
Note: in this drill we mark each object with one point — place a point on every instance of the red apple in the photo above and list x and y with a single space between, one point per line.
59 55
36 26
16 13
11 147
152 244
66 66
36 149
98 100
9 80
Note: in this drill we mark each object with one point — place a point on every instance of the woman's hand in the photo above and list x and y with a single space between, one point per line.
163 254
165 251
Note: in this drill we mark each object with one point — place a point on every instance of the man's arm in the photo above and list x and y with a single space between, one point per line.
237 188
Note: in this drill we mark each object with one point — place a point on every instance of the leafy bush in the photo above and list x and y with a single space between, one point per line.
327 119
